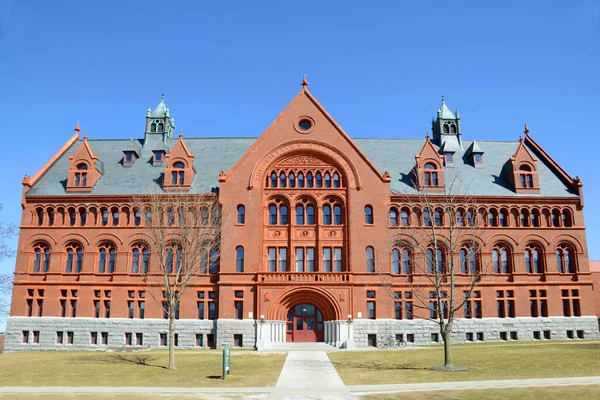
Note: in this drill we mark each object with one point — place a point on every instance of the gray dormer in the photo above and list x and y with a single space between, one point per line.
475 155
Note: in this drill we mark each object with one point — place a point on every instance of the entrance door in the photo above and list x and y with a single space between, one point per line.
305 324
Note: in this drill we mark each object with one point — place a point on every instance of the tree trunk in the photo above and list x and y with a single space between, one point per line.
172 338
446 337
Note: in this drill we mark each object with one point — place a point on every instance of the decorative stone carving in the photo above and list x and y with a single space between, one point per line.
302 160
342 296
276 233
267 297
332 233
304 233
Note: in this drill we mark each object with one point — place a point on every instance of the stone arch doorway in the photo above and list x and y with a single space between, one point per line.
305 324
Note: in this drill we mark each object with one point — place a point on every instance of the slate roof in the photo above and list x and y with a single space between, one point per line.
397 156
445 112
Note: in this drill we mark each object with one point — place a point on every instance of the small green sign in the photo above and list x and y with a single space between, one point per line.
226 361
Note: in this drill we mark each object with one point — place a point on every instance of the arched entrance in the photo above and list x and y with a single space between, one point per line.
304 324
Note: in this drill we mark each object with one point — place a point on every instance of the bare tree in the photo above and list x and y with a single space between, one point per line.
439 251
185 234
7 231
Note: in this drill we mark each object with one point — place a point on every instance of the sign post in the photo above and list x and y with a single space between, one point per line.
226 361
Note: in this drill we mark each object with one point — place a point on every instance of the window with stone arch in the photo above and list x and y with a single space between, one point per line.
241 214
107 258
431 175
239 259
468 259
369 215
40 216
393 216
534 260
435 260
140 258
566 259
501 259
178 173
81 174
525 176
567 218
370 259
401 259
173 258
74 257
405 217
492 217
41 257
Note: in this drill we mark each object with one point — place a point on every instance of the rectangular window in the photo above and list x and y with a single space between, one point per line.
580 334
571 303
131 307
36 337
59 337
29 307
337 259
505 303
239 294
210 341
104 338
469 336
200 310
142 309
128 338
410 337
238 340
503 335
94 338
398 310
70 337
139 339
239 309
97 308
73 308
212 310
326 259
372 340
282 259
513 335
548 335
435 337
537 335
472 306
480 336
25 337
310 259
163 339
538 303
299 259
199 340
176 340
371 309
106 308
272 251
63 308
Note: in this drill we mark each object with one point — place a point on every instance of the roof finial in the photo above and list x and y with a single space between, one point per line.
443 101
526 130
162 97
181 134
520 139
77 127
304 82
427 136
85 137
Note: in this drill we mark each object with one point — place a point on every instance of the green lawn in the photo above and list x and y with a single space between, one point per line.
194 369
512 361
551 393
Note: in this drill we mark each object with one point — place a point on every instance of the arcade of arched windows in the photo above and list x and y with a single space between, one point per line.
309 178
107 258
501 260
305 211
489 217
117 216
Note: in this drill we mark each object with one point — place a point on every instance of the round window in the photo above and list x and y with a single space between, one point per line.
305 124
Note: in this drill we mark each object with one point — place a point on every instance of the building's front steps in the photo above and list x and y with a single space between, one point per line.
270 335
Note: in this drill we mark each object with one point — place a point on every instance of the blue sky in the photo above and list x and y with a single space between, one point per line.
228 69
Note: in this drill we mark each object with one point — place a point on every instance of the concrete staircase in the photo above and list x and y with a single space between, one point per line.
312 346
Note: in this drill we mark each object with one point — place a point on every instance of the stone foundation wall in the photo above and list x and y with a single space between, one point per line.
223 331
491 328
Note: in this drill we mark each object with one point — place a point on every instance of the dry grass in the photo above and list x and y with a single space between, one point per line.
550 393
519 361
194 369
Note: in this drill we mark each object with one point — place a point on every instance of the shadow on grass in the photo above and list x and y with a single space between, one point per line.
379 366
121 359
214 377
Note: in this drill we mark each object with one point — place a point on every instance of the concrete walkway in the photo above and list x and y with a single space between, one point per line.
319 388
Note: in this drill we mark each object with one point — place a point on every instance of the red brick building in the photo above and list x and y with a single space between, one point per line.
314 212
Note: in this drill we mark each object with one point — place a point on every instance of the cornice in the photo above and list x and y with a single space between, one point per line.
102 198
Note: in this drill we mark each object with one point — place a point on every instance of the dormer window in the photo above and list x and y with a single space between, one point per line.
477 158
81 175
449 158
431 175
525 176
158 156
178 174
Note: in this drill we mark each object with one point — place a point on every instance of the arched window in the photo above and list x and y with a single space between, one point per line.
556 218
153 127
72 216
326 215
216 215
174 259
41 257
170 217
524 217
446 128
337 215
203 261
503 216
370 256
273 179
204 216
74 259
535 218
318 180
160 127
292 180
137 217
500 259
459 217
438 217
239 259
393 217
148 217
310 215
50 212
567 218
431 261
452 128
80 175
40 216
283 214
336 180
299 214
468 260
282 179
272 214
404 216
327 180
107 258
525 176
178 173
401 260
115 217
368 215
471 217
309 180
140 259
426 218
214 261
492 218
565 259
533 261
431 175
241 214
300 180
